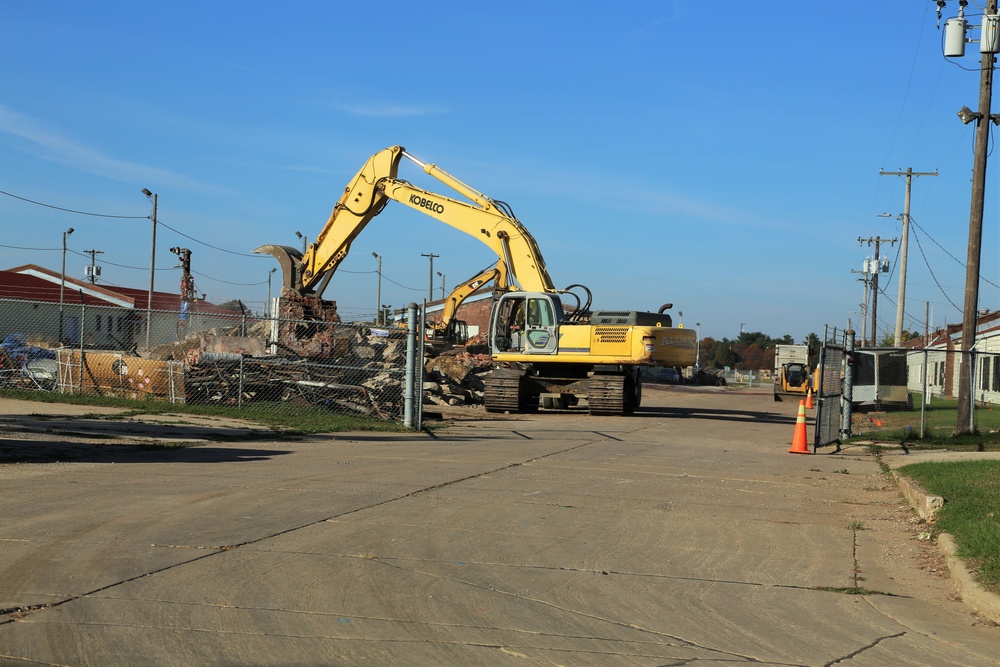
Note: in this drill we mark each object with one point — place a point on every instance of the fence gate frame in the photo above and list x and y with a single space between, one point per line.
827 428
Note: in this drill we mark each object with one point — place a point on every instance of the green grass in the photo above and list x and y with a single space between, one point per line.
971 512
291 419
940 419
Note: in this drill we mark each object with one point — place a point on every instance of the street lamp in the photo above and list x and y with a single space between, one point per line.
152 268
379 318
442 284
62 283
305 242
270 311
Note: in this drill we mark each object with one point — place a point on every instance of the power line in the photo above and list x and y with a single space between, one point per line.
123 217
957 260
219 280
69 210
917 239
208 245
18 247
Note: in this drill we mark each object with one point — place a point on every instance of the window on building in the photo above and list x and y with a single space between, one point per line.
984 374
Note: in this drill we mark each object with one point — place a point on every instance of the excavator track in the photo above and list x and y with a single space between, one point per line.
613 394
504 391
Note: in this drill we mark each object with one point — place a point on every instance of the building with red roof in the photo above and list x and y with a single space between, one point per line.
44 307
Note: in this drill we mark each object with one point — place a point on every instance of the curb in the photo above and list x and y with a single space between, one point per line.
927 506
986 603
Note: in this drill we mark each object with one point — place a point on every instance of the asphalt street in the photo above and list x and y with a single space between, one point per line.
684 535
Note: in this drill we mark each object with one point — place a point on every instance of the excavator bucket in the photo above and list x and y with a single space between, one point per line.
290 260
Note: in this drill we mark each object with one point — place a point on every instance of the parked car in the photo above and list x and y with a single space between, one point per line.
668 375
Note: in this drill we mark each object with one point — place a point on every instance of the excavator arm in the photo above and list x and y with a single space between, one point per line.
367 194
496 273
362 200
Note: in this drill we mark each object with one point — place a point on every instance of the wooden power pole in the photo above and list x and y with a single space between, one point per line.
901 298
877 240
970 314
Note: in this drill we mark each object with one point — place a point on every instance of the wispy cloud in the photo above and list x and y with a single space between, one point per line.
48 144
388 110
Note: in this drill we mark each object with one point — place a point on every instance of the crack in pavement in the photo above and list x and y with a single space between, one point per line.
21 610
866 647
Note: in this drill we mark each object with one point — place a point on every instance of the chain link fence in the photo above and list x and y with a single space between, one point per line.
903 394
208 357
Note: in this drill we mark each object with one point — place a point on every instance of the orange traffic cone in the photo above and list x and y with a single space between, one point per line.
799 439
809 399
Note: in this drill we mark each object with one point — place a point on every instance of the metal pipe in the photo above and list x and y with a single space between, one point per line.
845 414
411 352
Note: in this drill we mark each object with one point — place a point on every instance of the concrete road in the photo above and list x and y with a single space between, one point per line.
686 534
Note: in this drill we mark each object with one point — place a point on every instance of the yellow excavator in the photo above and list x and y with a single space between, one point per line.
542 352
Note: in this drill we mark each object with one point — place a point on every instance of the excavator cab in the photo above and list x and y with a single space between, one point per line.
526 323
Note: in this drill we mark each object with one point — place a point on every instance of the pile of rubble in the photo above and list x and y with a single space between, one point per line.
363 372
454 377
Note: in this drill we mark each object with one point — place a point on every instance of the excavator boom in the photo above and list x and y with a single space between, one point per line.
367 194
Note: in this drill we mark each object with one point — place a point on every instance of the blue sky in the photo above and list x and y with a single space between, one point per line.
724 158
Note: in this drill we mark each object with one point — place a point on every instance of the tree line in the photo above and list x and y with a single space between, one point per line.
750 351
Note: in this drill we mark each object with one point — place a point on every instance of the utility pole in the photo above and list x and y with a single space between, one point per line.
901 298
865 273
878 240
93 259
430 290
971 306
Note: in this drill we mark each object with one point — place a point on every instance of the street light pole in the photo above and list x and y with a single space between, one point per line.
152 269
62 283
269 310
442 284
305 242
430 289
697 354
379 319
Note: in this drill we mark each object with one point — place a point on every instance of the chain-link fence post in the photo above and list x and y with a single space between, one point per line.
239 396
972 389
83 328
409 390
924 398
848 388
418 380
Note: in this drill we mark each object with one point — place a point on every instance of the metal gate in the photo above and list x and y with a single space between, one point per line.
828 415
